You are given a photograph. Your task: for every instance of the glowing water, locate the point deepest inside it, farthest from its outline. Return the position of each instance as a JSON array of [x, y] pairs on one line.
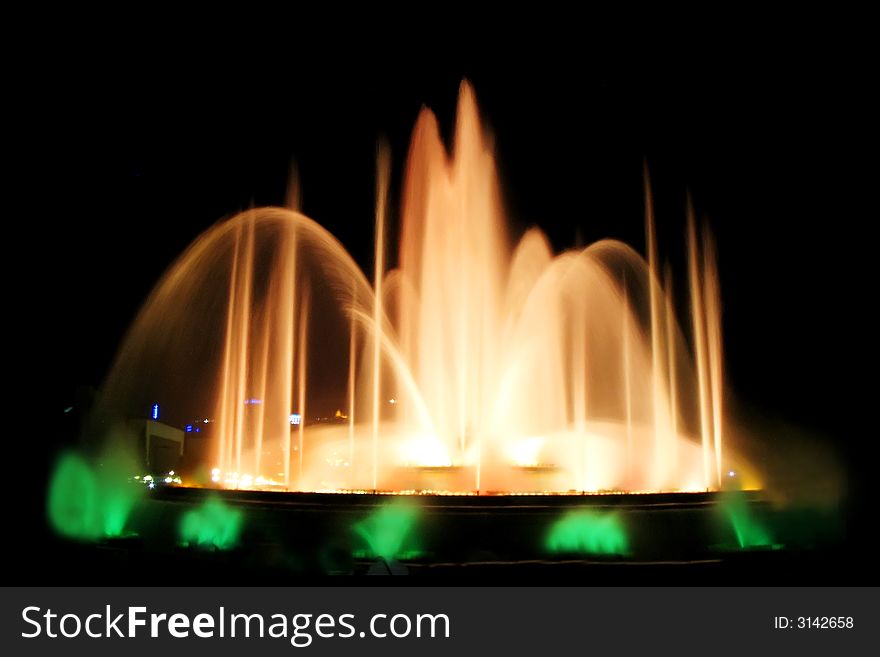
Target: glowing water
[[212, 525], [750, 532], [388, 532], [88, 503], [476, 364], [588, 532]]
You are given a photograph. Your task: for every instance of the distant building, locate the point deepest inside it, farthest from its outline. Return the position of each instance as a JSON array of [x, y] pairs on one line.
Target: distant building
[[160, 444]]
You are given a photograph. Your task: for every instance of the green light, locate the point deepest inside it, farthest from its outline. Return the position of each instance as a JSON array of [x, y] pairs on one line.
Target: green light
[[73, 499], [749, 531], [214, 524], [86, 503], [587, 532], [117, 507], [118, 497], [388, 533]]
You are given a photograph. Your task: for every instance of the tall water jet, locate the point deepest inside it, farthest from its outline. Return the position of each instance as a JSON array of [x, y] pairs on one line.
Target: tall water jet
[[627, 383], [262, 374], [303, 356], [352, 370], [242, 339], [659, 390], [712, 295], [669, 312], [698, 321], [287, 317], [383, 167]]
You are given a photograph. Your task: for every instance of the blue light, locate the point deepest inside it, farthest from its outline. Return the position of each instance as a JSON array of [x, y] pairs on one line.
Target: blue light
[[189, 428], [155, 413], [198, 429], [253, 401], [295, 418]]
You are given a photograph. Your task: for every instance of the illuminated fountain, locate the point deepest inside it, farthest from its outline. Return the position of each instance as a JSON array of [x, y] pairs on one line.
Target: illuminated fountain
[[477, 364]]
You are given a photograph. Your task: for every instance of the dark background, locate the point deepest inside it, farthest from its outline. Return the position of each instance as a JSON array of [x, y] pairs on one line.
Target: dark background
[[135, 144]]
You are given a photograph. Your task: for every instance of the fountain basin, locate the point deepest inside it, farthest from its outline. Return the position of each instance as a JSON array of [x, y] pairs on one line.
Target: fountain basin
[[672, 538]]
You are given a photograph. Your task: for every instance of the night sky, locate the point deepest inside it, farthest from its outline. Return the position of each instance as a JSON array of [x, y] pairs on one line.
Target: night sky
[[137, 150]]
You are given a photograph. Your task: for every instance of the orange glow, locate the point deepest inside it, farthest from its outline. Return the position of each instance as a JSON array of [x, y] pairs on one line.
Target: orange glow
[[478, 363]]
